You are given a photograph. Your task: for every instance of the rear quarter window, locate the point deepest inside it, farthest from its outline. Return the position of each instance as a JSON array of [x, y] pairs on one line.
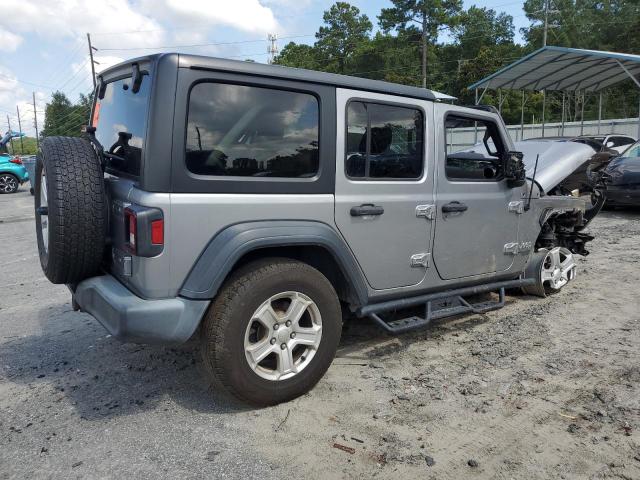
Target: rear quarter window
[[120, 118], [247, 131]]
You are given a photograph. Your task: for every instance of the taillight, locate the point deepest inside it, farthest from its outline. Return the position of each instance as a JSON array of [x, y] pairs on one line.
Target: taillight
[[157, 232], [131, 221], [144, 230], [16, 160]]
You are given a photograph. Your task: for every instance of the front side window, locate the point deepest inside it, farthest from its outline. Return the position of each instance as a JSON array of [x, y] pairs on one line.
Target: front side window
[[384, 141], [236, 130], [474, 149]]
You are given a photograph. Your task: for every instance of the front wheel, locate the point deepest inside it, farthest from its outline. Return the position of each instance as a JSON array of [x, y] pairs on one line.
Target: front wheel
[[272, 331], [552, 270], [8, 183]]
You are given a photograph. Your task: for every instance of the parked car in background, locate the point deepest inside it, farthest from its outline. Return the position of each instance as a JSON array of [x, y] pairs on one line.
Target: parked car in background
[[12, 173], [622, 178], [619, 143]]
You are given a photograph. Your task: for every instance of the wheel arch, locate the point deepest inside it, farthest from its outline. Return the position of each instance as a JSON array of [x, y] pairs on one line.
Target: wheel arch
[[314, 243]]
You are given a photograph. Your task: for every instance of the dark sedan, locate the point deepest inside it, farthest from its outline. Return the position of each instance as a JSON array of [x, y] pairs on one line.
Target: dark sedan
[[622, 177]]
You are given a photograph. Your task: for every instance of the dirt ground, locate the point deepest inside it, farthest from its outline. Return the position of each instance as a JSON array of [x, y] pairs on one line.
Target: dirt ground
[[544, 388]]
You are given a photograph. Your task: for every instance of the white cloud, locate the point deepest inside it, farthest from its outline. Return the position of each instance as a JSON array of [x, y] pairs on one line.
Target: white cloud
[[247, 15], [9, 41], [64, 18]]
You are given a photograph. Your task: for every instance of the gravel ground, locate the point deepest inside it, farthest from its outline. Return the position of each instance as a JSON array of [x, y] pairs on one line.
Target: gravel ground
[[544, 388]]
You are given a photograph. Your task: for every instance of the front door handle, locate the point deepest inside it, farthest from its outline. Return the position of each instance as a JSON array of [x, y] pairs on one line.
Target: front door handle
[[454, 207], [366, 209]]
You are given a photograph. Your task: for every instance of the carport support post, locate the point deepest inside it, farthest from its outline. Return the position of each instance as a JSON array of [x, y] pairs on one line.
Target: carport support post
[[522, 118], [544, 98], [475, 129], [600, 111], [638, 115], [584, 99], [562, 131]]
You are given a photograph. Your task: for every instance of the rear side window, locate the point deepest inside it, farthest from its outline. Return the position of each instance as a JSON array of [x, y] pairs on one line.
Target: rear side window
[[384, 141], [120, 118], [244, 131], [474, 149]]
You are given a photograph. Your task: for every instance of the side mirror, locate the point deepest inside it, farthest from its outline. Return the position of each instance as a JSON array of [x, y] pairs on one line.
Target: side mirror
[[514, 169]]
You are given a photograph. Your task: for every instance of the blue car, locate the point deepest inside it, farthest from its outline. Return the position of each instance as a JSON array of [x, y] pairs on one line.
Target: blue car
[[12, 173]]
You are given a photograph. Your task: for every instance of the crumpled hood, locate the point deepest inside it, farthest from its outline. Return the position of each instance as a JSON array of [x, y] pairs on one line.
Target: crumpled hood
[[557, 160]]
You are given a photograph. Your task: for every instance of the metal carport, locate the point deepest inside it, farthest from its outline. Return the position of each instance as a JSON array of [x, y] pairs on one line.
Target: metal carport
[[564, 69]]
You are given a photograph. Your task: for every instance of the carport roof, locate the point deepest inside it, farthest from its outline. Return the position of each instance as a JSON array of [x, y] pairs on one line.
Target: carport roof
[[561, 68]]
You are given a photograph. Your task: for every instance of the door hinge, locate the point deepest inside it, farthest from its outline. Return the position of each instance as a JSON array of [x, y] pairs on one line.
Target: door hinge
[[516, 206], [420, 260], [515, 248], [426, 211]]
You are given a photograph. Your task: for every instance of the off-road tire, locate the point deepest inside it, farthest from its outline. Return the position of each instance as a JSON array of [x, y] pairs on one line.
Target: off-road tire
[[77, 215], [224, 326], [16, 182]]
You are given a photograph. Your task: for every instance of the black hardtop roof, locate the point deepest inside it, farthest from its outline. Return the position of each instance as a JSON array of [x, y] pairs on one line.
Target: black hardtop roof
[[287, 73]]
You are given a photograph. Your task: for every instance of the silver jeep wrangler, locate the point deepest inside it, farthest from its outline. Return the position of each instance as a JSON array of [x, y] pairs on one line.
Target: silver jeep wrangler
[[261, 206]]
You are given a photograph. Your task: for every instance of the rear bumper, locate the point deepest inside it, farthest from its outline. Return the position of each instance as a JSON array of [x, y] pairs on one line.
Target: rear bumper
[[133, 319]]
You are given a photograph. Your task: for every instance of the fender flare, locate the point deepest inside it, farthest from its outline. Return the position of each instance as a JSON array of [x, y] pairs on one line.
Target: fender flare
[[230, 244]]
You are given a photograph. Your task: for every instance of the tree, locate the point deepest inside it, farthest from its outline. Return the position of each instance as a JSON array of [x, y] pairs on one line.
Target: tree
[[299, 56], [344, 31], [423, 17], [481, 27], [64, 118]]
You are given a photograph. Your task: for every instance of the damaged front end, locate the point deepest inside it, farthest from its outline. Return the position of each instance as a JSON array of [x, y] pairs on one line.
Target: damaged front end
[[563, 229]]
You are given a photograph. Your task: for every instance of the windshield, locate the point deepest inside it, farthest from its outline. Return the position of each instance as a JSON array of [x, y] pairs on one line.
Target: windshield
[[120, 119], [632, 152]]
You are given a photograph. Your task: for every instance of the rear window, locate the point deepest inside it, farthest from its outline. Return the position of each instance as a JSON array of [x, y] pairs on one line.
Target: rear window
[[120, 119], [244, 131]]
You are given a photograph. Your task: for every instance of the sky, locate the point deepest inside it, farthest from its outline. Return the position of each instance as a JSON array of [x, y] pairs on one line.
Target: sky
[[43, 43]]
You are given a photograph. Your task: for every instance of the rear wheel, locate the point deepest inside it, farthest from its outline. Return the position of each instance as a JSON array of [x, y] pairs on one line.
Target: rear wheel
[[272, 331], [8, 183]]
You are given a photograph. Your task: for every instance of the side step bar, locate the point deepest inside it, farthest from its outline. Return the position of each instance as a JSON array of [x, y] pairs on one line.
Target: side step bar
[[439, 305]]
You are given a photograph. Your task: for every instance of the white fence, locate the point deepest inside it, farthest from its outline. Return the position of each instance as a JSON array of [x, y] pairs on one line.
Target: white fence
[[622, 126], [461, 138]]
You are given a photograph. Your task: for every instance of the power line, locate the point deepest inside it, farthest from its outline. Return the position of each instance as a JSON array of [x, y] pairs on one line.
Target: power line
[[212, 44]]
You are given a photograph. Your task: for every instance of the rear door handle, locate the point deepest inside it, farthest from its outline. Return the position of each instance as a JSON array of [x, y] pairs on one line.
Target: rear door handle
[[366, 209], [453, 207]]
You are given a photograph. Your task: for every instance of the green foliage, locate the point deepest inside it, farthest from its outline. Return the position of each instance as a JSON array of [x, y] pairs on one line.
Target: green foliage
[[344, 31], [64, 118], [24, 146], [479, 41]]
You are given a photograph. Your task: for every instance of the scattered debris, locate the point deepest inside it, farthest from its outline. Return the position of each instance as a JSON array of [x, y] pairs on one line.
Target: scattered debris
[[573, 428], [357, 440], [77, 464], [212, 454], [344, 448], [473, 463], [283, 421], [570, 417], [429, 460]]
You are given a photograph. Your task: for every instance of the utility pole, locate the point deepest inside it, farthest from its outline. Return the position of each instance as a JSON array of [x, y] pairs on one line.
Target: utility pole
[[272, 48], [546, 23], [35, 121], [93, 70], [10, 136], [424, 49], [20, 130]]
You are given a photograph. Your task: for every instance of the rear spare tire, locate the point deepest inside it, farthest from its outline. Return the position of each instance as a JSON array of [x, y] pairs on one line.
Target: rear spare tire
[[70, 203]]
